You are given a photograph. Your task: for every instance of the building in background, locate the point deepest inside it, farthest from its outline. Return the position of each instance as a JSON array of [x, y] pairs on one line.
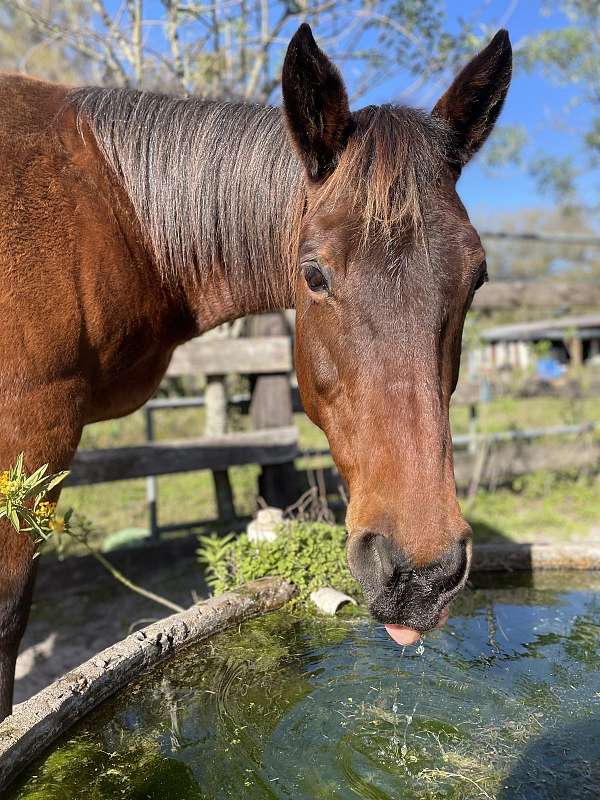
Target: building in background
[[572, 341]]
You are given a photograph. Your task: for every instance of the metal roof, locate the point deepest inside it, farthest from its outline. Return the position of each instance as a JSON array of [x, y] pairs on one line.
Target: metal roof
[[582, 327]]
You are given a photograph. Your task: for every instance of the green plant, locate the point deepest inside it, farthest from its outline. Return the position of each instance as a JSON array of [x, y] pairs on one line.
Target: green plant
[[212, 554], [309, 554], [22, 500], [541, 349]]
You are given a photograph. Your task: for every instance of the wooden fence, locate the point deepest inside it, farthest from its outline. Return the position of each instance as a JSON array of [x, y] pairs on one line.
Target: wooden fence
[[272, 443], [537, 294]]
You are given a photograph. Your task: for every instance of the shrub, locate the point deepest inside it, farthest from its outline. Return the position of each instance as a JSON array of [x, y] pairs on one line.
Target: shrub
[[309, 554]]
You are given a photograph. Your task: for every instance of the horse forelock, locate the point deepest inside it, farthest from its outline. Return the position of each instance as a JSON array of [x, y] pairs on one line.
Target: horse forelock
[[390, 169]]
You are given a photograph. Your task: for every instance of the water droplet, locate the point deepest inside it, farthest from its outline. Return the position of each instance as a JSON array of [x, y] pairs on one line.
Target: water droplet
[[420, 649], [404, 750], [395, 708]]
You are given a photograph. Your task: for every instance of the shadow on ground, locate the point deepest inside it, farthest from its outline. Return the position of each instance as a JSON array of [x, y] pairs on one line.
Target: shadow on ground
[[79, 609], [483, 533]]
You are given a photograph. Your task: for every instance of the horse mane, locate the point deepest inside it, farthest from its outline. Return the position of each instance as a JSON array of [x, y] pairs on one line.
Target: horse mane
[[217, 184]]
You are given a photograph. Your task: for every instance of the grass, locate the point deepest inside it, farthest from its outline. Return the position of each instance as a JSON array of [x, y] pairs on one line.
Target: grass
[[507, 413], [542, 507], [561, 509]]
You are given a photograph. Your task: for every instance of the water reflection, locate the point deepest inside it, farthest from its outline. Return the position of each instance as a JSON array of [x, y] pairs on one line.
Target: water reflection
[[314, 709], [563, 763]]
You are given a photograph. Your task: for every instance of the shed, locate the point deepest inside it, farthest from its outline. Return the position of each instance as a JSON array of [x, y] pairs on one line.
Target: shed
[[573, 341]]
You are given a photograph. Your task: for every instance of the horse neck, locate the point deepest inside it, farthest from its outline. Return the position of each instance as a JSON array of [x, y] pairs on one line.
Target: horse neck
[[216, 301], [217, 190]]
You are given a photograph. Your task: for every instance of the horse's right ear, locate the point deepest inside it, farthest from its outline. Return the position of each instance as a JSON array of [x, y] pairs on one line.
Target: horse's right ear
[[315, 104]]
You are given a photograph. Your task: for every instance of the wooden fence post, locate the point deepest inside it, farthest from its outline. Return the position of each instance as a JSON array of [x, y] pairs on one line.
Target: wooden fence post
[[216, 424], [271, 407], [575, 347], [473, 426]]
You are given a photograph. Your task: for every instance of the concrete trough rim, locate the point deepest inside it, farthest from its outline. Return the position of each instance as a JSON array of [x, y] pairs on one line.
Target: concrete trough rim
[[39, 721], [536, 557]]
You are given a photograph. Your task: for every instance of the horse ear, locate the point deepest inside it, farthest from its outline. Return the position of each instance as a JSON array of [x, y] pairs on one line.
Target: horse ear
[[472, 103], [315, 105]]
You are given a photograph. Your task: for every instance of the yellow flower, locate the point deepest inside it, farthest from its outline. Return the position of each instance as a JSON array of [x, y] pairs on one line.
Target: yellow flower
[[58, 526], [6, 485], [46, 510]]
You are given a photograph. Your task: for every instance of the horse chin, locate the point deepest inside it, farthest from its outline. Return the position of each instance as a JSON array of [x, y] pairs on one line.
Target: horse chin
[[405, 608]]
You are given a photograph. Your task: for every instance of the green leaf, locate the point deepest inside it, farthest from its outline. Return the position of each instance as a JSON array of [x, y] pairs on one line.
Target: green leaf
[[18, 468], [14, 518], [56, 479], [44, 485], [37, 475], [32, 521]]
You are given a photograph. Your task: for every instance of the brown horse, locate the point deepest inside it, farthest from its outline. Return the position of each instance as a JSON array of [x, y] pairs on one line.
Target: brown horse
[[131, 222]]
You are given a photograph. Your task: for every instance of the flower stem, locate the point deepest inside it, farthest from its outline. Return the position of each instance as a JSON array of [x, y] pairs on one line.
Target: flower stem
[[130, 584]]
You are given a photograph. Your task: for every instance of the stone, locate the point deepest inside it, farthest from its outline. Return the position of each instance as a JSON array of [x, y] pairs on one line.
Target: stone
[[264, 527]]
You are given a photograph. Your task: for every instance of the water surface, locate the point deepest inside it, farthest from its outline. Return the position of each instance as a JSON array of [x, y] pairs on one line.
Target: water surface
[[504, 703]]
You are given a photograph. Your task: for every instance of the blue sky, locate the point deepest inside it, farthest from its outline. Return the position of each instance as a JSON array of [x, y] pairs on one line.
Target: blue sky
[[533, 101]]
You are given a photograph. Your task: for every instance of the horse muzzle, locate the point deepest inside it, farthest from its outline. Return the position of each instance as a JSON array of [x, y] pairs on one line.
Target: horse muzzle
[[401, 596]]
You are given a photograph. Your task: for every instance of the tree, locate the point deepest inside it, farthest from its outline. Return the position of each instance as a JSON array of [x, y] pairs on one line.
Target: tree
[[568, 55], [571, 55], [25, 46], [228, 48]]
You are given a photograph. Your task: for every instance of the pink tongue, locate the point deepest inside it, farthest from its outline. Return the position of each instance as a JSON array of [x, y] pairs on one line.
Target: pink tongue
[[402, 635]]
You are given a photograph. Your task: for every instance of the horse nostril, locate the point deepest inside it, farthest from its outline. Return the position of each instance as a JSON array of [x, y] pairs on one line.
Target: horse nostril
[[449, 573], [466, 548], [386, 559], [375, 561]]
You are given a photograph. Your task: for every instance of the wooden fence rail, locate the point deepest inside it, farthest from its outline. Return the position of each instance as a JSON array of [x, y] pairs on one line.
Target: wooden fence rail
[[503, 462], [263, 447], [255, 356]]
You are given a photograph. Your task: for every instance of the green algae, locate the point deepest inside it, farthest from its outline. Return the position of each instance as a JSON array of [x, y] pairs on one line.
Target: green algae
[[504, 703]]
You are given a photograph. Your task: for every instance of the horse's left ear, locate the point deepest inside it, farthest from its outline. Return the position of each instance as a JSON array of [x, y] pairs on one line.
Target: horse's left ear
[[315, 104], [472, 103]]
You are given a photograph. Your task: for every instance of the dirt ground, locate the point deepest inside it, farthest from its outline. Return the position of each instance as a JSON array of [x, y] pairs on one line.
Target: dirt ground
[[79, 609]]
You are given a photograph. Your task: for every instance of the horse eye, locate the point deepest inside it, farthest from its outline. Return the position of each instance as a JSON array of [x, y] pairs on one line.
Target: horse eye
[[317, 282], [482, 278]]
